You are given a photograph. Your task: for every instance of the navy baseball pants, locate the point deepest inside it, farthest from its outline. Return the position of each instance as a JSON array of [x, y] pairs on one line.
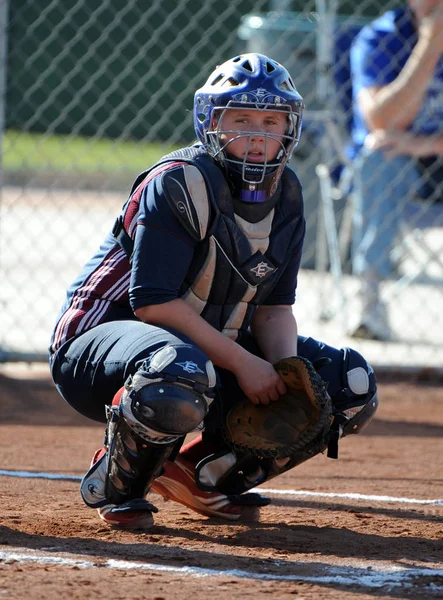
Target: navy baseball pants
[[90, 369]]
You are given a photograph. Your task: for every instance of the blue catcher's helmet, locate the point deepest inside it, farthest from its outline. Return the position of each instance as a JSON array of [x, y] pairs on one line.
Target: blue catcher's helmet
[[251, 82]]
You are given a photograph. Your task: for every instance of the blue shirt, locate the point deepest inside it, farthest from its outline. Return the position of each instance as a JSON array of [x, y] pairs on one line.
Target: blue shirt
[[378, 54]]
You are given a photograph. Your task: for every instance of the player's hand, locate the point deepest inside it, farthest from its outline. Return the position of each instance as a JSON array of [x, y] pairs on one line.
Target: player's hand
[[259, 380], [399, 143]]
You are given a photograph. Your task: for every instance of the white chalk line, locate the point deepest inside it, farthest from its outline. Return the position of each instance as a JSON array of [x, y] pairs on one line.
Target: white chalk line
[[369, 575], [39, 475], [299, 493], [350, 496]]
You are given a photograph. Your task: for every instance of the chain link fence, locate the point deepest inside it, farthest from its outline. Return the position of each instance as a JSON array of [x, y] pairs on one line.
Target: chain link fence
[[92, 93]]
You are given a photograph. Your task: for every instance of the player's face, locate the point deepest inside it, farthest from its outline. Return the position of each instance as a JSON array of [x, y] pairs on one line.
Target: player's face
[[247, 129]]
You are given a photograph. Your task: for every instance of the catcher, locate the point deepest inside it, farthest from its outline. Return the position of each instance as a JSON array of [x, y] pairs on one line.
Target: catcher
[[183, 320]]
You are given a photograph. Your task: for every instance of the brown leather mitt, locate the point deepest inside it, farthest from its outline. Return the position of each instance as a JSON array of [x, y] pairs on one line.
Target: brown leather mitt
[[293, 422]]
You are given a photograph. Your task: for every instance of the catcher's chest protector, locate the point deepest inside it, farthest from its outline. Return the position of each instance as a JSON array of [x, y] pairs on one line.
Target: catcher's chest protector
[[237, 263]]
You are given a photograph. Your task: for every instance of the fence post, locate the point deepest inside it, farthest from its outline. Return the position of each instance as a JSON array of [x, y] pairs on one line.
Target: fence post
[[3, 66], [3, 69]]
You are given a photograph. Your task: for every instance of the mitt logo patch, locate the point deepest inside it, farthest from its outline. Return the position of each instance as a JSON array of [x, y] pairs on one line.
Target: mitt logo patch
[[262, 269], [190, 367]]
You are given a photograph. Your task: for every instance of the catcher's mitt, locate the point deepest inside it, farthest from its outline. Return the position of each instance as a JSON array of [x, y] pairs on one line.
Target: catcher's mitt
[[291, 423]]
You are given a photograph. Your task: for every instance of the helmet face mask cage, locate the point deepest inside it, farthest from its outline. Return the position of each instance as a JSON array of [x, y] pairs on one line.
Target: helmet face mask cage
[[248, 82], [252, 172]]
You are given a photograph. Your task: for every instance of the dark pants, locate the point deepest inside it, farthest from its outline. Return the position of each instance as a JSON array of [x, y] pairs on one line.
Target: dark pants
[[91, 368]]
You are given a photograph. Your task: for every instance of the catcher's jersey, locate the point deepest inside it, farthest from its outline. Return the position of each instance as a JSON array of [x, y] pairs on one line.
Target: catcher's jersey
[[189, 243]]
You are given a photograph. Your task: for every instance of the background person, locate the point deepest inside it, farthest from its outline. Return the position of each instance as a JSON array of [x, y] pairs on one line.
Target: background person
[[397, 72]]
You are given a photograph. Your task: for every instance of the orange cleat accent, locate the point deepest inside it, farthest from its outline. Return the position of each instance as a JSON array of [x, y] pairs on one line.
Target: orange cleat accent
[[178, 484]]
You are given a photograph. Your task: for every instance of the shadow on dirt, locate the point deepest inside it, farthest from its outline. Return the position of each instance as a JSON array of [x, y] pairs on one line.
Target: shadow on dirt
[[153, 549], [403, 428], [35, 401], [427, 513]]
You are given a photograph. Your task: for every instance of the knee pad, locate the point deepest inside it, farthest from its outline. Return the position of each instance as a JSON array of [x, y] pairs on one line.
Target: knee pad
[[164, 400], [356, 385], [355, 403], [170, 394]]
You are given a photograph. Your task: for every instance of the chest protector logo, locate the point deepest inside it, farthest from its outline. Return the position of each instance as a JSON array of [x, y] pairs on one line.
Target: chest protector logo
[[262, 269]]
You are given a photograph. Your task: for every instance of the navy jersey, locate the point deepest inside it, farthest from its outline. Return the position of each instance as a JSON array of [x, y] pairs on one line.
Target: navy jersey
[[110, 288]]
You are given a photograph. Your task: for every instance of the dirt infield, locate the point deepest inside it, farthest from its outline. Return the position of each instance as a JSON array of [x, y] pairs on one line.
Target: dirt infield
[[368, 525]]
